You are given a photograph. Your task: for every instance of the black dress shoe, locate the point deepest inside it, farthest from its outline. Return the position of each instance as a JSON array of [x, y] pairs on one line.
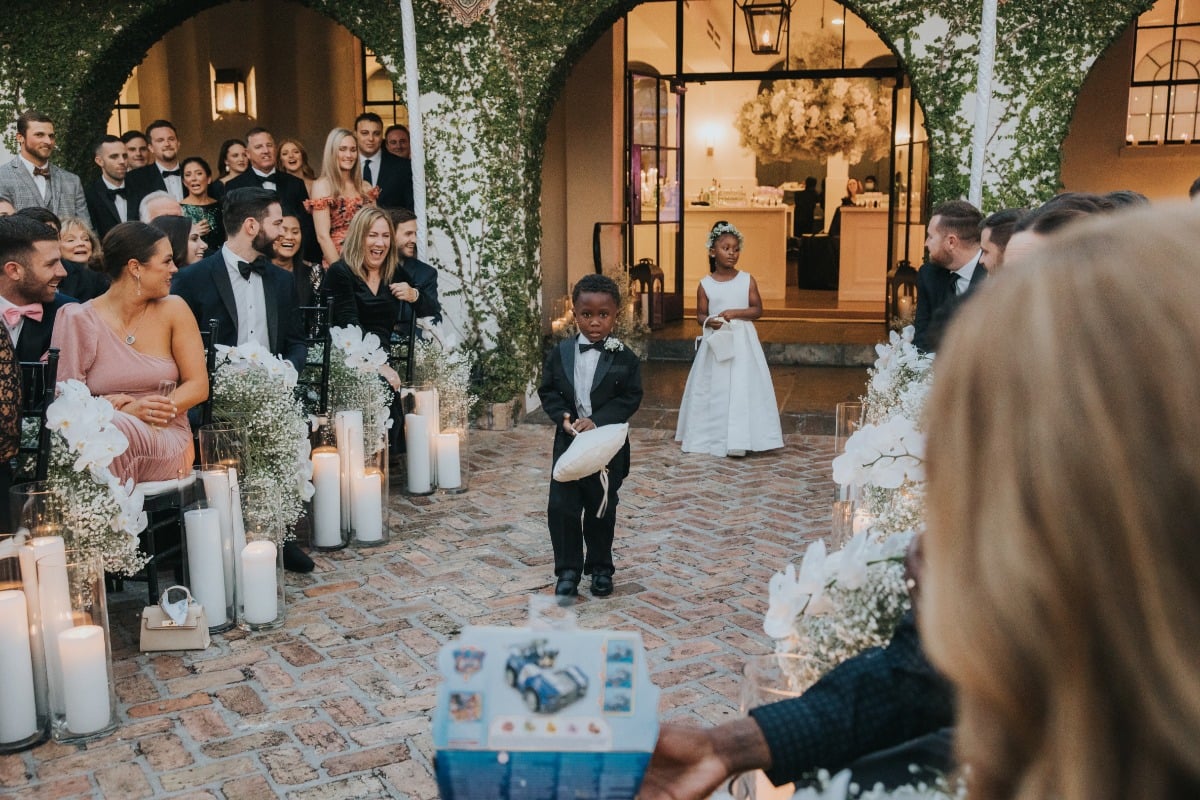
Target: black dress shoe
[[602, 585], [568, 584], [295, 559]]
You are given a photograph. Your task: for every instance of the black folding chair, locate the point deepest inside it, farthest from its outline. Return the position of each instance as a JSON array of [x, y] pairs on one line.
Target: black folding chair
[[313, 382], [404, 337], [38, 382]]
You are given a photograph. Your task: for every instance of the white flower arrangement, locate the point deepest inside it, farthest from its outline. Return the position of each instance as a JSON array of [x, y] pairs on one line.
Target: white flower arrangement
[[449, 369], [256, 389], [613, 345], [355, 382], [841, 785], [101, 515]]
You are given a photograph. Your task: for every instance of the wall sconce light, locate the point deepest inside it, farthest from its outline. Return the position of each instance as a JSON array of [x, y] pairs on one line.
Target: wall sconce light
[[766, 24], [709, 136], [229, 91]]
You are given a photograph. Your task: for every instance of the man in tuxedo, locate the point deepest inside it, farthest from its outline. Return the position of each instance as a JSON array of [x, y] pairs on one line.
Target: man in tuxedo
[[397, 141], [107, 196], [292, 194], [952, 271], [137, 147], [163, 173], [393, 175], [251, 299], [417, 274], [29, 179], [30, 272]]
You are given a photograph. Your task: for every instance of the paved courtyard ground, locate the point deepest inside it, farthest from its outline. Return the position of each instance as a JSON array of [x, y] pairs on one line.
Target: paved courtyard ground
[[336, 704]]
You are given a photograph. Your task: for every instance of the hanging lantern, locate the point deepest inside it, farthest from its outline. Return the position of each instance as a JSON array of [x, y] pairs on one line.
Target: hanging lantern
[[766, 24]]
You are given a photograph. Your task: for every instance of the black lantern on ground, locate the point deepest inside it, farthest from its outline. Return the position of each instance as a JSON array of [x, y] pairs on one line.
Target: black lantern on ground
[[229, 88], [767, 24], [648, 278]]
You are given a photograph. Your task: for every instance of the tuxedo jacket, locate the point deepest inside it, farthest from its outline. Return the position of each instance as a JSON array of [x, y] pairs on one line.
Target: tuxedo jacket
[[140, 182], [34, 340], [103, 209], [208, 291], [937, 303], [292, 194], [424, 278], [616, 393], [395, 182], [64, 192], [82, 282]]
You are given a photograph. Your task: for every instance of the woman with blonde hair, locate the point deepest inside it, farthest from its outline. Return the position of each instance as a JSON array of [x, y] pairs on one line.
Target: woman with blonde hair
[[82, 258], [338, 194], [1060, 592]]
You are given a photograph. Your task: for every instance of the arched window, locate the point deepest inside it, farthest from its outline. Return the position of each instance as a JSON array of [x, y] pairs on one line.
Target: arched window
[[1164, 90]]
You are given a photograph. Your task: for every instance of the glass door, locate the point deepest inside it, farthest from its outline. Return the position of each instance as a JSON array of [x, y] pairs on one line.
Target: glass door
[[907, 210]]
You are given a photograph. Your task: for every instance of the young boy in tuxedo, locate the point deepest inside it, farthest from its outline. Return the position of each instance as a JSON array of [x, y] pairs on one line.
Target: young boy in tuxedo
[[588, 381]]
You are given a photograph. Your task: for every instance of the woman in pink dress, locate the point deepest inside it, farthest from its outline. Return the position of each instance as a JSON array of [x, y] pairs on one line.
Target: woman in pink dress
[[338, 194], [125, 343]]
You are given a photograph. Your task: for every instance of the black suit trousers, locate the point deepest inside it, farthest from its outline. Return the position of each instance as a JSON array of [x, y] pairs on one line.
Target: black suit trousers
[[582, 541]]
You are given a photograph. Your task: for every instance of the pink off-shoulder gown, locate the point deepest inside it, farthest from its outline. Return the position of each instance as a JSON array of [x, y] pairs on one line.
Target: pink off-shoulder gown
[[91, 352]]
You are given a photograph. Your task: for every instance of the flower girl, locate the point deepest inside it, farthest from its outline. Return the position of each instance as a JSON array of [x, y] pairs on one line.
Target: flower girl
[[728, 405]]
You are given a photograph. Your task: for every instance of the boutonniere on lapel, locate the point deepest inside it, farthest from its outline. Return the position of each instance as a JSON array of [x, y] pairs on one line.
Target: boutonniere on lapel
[[613, 345]]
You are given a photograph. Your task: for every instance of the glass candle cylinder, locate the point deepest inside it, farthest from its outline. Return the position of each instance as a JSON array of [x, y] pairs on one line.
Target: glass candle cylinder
[[222, 444], [348, 427], [427, 404], [36, 509], [451, 444], [24, 702], [371, 496], [78, 650], [260, 593], [208, 535]]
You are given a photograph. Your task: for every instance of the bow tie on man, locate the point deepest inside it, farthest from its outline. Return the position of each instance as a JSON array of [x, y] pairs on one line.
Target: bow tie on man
[[172, 173], [583, 348], [13, 314], [42, 172], [258, 265], [115, 193]]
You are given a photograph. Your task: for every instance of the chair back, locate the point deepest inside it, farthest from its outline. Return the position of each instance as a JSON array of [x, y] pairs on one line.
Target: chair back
[[404, 335], [312, 385], [38, 383], [209, 337]]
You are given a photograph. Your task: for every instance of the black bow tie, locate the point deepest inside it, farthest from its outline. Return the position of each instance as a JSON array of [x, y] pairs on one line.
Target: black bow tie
[[583, 348], [272, 178], [172, 173], [118, 192], [258, 265]]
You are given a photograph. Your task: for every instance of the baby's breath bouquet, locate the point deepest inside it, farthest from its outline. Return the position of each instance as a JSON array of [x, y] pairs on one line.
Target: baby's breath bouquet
[[256, 389], [101, 515], [448, 368], [354, 382]]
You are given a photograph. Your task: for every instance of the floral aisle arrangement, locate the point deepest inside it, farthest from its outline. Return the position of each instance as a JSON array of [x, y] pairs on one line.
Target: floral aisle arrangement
[[355, 383], [442, 364], [257, 390], [838, 604], [815, 119], [101, 515]]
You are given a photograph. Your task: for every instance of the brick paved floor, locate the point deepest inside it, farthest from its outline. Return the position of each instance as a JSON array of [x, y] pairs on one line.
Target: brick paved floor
[[336, 703]]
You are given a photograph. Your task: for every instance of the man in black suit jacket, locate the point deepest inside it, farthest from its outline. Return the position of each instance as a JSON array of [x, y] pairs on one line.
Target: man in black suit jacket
[[952, 272], [290, 190], [163, 174], [108, 197], [251, 298], [30, 272], [392, 174], [415, 273]]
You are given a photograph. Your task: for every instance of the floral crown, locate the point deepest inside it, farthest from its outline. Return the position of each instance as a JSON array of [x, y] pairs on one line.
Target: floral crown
[[719, 230]]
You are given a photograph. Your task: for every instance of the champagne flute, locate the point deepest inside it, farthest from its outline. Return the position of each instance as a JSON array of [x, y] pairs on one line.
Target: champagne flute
[[166, 388]]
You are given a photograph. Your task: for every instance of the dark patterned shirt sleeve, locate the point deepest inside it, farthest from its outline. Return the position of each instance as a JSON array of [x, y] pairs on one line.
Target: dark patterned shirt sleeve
[[880, 698], [10, 399]]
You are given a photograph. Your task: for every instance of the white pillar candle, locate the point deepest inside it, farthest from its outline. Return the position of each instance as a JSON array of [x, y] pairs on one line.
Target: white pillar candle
[[352, 455], [326, 500], [368, 506], [238, 540], [416, 438], [205, 563], [85, 679], [217, 492], [904, 307], [448, 460], [28, 556], [343, 449], [645, 309], [18, 711], [428, 407], [260, 602], [54, 602]]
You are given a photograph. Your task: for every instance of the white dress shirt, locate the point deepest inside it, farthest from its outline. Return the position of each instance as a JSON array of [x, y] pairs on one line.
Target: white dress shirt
[[43, 183], [268, 184], [965, 273], [250, 300], [585, 373], [118, 201], [174, 183]]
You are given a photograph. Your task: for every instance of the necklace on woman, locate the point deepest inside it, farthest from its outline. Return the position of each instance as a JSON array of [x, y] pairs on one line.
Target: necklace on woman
[[130, 334]]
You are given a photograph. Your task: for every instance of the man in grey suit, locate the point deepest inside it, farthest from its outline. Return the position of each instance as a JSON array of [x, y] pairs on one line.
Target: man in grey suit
[[29, 179]]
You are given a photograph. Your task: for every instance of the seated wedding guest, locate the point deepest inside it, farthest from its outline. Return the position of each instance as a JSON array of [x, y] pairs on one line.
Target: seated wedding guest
[[199, 206], [1049, 217], [363, 282], [158, 204], [30, 271], [286, 254], [42, 215], [232, 160], [137, 148], [1075, 660], [187, 245], [82, 259], [126, 343], [107, 196], [414, 272], [6, 208], [10, 418], [291, 191], [994, 233], [339, 193], [294, 160], [396, 141], [952, 272]]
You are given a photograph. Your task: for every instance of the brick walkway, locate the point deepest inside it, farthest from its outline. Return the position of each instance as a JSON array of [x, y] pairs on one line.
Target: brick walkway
[[336, 704]]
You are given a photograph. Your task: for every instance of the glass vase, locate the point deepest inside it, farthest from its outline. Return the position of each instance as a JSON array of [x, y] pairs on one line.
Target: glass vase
[[452, 446], [348, 428], [24, 700], [36, 509], [261, 598], [209, 545], [421, 427], [326, 532], [848, 418], [369, 496], [78, 648]]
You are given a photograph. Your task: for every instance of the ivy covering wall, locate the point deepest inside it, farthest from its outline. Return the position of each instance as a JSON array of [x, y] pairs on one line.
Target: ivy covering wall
[[488, 88]]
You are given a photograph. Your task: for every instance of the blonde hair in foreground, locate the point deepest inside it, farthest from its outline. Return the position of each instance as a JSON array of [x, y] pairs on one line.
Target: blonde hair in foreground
[[1061, 593], [354, 249]]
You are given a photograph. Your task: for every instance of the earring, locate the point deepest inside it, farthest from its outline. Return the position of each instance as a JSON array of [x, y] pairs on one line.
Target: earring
[[138, 278]]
